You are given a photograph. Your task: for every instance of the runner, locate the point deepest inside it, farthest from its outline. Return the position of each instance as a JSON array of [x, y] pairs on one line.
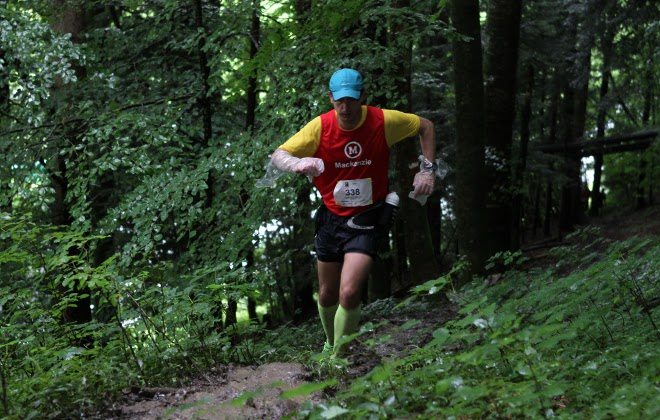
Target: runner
[[347, 152]]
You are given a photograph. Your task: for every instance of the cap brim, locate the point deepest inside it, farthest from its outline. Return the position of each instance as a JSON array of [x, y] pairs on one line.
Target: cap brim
[[345, 93]]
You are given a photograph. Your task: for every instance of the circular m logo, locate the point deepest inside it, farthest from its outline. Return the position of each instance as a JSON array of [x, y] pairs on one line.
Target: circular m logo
[[352, 150]]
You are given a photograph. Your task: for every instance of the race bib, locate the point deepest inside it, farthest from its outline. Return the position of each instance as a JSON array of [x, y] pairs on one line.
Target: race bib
[[353, 192]]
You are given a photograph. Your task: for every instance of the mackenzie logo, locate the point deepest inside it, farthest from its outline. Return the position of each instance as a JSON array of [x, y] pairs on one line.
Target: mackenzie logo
[[353, 150]]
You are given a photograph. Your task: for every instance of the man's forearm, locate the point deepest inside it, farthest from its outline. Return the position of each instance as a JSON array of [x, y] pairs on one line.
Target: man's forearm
[[427, 138], [285, 161]]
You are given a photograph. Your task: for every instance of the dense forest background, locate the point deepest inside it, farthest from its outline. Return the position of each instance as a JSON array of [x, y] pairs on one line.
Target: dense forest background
[[133, 134]]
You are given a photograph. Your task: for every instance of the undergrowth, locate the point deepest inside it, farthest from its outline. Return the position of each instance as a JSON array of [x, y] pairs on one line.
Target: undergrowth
[[142, 333], [576, 339]]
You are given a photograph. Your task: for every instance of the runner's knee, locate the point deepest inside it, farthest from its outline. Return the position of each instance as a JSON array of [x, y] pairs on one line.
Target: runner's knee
[[349, 296]]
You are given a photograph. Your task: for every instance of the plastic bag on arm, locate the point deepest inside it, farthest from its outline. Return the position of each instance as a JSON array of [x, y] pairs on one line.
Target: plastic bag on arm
[[270, 177], [281, 162]]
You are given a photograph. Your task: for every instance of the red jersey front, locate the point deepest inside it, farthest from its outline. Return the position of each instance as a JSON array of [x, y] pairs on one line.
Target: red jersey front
[[356, 163]]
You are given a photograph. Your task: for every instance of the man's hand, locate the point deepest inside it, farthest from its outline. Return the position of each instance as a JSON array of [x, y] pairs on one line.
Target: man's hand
[[423, 183], [310, 166], [284, 161]]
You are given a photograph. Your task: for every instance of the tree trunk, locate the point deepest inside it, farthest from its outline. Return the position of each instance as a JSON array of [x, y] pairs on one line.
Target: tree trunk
[[521, 163], [553, 112], [469, 93], [5, 190], [250, 116], [303, 276], [644, 167], [416, 233], [606, 47], [570, 191], [251, 93], [434, 216], [500, 63], [71, 19], [302, 263], [4, 84], [230, 315], [383, 272], [203, 99], [576, 90]]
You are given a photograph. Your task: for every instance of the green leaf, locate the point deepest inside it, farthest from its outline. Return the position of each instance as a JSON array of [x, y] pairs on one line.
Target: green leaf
[[333, 411], [410, 324]]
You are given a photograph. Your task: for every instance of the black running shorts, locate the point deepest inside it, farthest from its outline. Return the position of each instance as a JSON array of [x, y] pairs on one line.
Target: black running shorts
[[334, 237]]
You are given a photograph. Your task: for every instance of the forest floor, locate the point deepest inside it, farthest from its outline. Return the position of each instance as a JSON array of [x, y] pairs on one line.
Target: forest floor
[[256, 391]]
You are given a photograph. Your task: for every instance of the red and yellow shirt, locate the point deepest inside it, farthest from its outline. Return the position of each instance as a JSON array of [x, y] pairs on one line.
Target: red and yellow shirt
[[356, 161]]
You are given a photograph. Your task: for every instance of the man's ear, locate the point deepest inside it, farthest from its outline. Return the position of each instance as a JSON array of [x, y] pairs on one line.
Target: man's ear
[[363, 96], [331, 98]]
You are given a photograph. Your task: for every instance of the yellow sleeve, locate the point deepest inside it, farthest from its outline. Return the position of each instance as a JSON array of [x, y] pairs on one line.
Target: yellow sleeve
[[399, 125], [305, 142]]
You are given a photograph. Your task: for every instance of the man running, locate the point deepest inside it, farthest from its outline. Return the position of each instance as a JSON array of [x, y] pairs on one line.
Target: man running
[[347, 152]]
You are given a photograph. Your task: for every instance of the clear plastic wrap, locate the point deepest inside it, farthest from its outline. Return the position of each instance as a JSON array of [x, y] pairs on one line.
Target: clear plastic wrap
[[281, 162], [271, 175]]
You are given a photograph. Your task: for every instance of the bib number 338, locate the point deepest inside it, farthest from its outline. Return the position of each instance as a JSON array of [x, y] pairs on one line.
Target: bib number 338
[[353, 192]]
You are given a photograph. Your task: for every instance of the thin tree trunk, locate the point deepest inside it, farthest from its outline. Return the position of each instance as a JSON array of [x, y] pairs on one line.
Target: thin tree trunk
[[250, 116], [641, 199], [415, 223], [4, 84], [5, 191], [434, 216], [469, 94], [646, 116], [536, 224], [553, 112], [649, 105], [521, 162], [596, 197]]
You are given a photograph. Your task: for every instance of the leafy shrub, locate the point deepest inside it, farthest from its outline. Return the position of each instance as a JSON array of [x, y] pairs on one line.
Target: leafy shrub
[[142, 331]]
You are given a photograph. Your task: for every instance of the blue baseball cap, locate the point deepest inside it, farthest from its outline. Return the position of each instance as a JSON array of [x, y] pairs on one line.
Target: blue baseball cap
[[346, 83]]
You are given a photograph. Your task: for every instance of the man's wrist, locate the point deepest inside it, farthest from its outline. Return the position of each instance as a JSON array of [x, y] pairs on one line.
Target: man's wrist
[[428, 166]]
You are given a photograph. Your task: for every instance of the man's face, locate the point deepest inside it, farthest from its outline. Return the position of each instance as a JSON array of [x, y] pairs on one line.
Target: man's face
[[349, 111]]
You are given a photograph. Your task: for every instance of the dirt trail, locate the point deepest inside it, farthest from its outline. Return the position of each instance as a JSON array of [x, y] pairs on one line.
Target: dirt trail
[[246, 392], [255, 392]]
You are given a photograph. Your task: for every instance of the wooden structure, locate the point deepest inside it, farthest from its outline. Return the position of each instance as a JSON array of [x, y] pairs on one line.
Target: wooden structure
[[627, 142]]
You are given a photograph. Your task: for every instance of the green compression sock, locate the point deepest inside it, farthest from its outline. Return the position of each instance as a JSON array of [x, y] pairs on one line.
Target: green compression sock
[[327, 314], [346, 322]]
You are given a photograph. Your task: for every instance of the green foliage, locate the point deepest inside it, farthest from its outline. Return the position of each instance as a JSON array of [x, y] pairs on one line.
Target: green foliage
[[164, 221], [631, 177], [506, 259], [536, 344], [142, 332]]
